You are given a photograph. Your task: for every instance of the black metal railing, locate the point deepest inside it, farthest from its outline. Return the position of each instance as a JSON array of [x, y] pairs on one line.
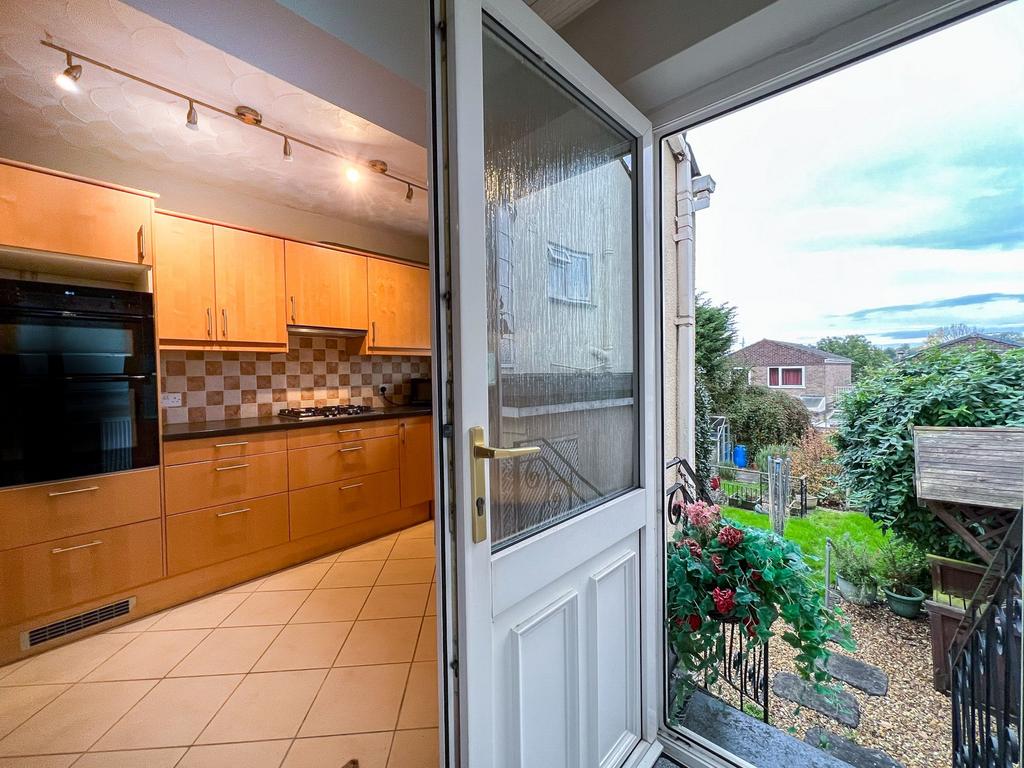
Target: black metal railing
[[985, 664]]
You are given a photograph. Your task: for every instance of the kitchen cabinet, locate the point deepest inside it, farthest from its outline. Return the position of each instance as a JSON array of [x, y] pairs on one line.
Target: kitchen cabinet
[[323, 507], [330, 463], [416, 460], [226, 481], [399, 307], [326, 287], [59, 213], [185, 279], [250, 287]]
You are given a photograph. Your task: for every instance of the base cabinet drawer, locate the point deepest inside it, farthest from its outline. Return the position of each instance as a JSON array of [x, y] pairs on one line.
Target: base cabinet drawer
[[330, 463], [37, 513], [323, 507], [341, 433], [212, 483], [62, 573], [230, 447], [208, 536]]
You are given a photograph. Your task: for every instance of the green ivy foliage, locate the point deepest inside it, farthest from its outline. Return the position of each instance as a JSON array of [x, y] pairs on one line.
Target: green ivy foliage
[[703, 433], [939, 388]]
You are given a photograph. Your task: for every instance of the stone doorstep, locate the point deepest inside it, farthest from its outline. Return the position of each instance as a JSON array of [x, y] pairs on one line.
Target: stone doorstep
[[862, 676], [848, 751], [844, 708]]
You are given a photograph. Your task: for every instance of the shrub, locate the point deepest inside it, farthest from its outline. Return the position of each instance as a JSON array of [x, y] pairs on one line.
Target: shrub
[[854, 561], [761, 416], [955, 388], [768, 452], [816, 458], [901, 565], [703, 432]]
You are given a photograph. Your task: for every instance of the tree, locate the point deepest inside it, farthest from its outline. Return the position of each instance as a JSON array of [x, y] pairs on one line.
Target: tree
[[703, 433], [950, 332], [762, 416], [865, 355], [875, 439], [714, 335]]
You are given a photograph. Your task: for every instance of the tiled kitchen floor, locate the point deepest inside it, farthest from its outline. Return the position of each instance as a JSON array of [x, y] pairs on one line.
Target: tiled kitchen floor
[[308, 668]]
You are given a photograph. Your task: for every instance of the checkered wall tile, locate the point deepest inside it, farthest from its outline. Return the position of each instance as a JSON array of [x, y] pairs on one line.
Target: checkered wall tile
[[315, 371]]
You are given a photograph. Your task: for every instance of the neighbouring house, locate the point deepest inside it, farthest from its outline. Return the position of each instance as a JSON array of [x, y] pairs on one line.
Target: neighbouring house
[[812, 375], [975, 340]]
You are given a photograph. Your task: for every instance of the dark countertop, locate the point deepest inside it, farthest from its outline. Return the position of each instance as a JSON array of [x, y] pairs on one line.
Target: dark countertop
[[268, 423]]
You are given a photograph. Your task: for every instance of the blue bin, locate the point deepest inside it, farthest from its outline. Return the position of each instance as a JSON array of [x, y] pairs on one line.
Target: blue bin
[[739, 456]]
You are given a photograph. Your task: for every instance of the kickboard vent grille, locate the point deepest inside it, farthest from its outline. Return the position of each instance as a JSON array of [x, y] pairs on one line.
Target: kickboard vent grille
[[39, 635]]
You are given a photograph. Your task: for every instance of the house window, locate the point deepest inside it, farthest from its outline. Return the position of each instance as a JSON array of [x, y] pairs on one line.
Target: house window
[[569, 275], [785, 377]]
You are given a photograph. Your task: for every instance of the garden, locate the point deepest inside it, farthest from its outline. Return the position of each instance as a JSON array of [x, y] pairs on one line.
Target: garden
[[847, 666]]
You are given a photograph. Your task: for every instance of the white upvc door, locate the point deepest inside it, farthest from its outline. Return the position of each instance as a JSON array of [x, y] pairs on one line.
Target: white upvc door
[[546, 361]]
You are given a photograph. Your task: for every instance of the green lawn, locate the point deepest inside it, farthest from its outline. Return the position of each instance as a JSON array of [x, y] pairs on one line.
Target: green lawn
[[809, 532]]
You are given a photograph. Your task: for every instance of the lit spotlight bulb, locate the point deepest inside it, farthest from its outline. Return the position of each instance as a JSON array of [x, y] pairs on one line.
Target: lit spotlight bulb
[[68, 79], [352, 174]]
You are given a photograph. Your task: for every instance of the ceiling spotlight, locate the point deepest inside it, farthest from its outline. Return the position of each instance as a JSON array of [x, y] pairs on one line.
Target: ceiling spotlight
[[408, 193], [287, 150], [352, 174], [192, 119], [68, 79]]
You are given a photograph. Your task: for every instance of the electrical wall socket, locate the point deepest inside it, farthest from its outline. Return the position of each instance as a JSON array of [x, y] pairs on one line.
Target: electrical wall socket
[[170, 399]]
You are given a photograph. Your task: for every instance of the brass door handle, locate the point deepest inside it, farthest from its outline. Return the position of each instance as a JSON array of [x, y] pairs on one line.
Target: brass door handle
[[481, 452]]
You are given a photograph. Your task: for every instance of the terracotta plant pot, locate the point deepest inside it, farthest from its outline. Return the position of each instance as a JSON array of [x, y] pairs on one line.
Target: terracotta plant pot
[[907, 606], [858, 594]]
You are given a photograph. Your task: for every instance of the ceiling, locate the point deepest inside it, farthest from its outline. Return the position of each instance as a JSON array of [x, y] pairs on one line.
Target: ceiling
[[134, 123]]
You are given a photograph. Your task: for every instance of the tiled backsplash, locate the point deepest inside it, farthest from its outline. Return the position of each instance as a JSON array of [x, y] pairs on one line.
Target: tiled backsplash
[[315, 371]]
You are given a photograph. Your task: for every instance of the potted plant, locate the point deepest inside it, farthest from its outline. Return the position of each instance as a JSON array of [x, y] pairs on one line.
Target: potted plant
[[902, 566], [855, 571], [720, 572]]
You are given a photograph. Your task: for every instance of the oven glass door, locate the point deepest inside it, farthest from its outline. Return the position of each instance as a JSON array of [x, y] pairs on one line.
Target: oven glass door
[[79, 392]]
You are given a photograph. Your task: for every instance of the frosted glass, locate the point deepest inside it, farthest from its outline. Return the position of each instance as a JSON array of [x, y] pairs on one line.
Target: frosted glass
[[560, 295]]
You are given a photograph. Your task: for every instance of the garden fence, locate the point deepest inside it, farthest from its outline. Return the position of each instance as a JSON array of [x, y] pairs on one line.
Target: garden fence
[[749, 489]]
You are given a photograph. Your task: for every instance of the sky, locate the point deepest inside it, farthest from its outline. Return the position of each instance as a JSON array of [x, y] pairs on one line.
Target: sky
[[886, 199]]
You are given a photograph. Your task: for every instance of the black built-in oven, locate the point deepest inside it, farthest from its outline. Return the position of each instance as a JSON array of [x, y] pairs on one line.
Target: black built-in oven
[[78, 383]]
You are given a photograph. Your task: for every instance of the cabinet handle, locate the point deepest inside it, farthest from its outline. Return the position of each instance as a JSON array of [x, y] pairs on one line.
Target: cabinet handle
[[293, 309], [231, 445], [234, 466], [142, 243], [234, 512], [76, 490], [348, 431], [401, 429], [58, 550], [348, 450], [349, 487], [224, 316], [209, 322], [373, 333]]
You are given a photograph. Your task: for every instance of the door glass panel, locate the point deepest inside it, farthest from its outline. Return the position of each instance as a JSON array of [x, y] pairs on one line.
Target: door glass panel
[[561, 297]]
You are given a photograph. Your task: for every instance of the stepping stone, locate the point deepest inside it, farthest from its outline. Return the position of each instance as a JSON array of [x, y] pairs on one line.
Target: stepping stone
[[841, 706], [848, 752], [865, 677]]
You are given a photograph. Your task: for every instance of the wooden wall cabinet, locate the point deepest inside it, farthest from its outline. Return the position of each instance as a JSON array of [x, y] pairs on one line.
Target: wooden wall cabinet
[[53, 212], [399, 307], [416, 460], [326, 288], [250, 287], [185, 279]]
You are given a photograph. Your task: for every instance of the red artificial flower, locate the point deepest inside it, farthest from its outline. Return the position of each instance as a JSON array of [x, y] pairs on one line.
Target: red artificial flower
[[725, 600], [693, 546], [679, 622], [715, 483], [755, 575], [694, 621], [716, 564], [730, 537]]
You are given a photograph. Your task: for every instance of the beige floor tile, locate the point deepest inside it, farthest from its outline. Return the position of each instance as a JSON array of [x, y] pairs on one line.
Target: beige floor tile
[[426, 646], [332, 605], [357, 573], [75, 719], [329, 558], [226, 651], [270, 705], [418, 570], [304, 646], [259, 754], [173, 714], [69, 663], [305, 576], [266, 608], [357, 700], [414, 749], [141, 625], [407, 548], [421, 531], [431, 609], [9, 668], [150, 655], [395, 602], [39, 761], [206, 613], [248, 586], [378, 549], [135, 758], [419, 708], [382, 641], [370, 749], [19, 704]]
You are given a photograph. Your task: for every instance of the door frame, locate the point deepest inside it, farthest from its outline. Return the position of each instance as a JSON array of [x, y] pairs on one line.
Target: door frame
[[456, 28]]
